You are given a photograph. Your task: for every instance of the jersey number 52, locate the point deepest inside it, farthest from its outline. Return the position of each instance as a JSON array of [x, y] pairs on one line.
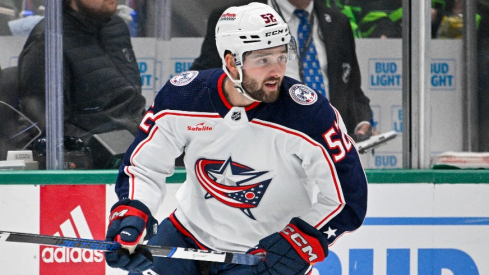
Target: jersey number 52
[[337, 139]]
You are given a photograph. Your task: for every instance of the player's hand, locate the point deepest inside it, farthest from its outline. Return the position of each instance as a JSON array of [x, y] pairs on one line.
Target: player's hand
[[292, 250], [130, 222], [363, 132]]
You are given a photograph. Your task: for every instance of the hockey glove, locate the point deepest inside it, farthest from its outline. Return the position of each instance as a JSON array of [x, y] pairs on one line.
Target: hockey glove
[[292, 250], [130, 222]]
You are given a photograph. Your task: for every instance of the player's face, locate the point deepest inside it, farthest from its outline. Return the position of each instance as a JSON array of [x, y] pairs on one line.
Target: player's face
[[263, 72], [97, 9]]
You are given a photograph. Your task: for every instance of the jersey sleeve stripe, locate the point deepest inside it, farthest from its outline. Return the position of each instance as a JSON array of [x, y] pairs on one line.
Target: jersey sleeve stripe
[[330, 216], [132, 179], [183, 113]]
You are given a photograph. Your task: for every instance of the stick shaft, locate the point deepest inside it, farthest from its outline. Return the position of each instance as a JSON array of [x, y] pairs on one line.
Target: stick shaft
[[106, 246]]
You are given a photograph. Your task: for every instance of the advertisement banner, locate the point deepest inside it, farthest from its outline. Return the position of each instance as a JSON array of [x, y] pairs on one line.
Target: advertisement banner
[[409, 229], [72, 211]]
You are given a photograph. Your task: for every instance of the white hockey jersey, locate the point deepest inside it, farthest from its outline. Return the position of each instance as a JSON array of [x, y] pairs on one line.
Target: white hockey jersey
[[249, 170]]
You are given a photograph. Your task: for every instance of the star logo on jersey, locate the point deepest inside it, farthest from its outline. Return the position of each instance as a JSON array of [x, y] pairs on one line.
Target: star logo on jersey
[[232, 183], [330, 232]]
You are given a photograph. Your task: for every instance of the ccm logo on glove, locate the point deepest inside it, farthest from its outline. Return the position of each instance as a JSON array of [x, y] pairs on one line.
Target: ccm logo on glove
[[306, 246], [123, 211], [118, 214]]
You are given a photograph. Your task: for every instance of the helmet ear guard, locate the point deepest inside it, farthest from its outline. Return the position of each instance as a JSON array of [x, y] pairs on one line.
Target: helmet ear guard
[[251, 27]]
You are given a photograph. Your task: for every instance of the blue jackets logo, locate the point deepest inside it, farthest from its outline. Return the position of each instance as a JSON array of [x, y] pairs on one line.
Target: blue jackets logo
[[234, 184]]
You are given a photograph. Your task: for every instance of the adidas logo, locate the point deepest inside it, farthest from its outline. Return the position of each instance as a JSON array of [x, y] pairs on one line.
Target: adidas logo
[[73, 255], [199, 127]]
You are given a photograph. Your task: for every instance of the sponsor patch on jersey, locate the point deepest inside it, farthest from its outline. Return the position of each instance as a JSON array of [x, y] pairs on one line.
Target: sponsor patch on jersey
[[199, 127], [184, 78], [302, 94]]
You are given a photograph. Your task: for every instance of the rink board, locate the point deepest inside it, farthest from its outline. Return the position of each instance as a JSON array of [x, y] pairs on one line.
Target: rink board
[[432, 223]]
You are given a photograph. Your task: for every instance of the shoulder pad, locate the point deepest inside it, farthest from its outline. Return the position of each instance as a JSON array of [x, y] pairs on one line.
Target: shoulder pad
[[184, 78]]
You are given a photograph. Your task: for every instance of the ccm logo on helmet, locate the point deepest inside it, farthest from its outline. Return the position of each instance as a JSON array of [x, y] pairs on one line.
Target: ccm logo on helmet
[[275, 32], [301, 242]]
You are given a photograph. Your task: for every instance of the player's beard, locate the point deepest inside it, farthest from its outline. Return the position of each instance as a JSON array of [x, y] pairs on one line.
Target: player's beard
[[102, 14], [255, 89]]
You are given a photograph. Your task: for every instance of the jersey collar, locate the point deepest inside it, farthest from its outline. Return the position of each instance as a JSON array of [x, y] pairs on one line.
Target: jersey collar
[[228, 105]]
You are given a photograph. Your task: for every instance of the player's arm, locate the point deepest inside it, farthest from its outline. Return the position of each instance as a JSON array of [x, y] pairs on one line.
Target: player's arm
[[140, 186], [332, 162], [150, 159], [334, 165]]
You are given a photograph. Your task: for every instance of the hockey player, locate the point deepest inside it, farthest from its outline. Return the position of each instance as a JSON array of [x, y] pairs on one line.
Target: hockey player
[[265, 156]]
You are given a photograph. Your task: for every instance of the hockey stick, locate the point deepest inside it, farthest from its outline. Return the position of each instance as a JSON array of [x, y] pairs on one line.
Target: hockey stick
[[158, 251], [375, 141]]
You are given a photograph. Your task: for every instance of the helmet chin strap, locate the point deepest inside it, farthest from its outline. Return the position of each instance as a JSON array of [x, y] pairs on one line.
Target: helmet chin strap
[[242, 91], [237, 83]]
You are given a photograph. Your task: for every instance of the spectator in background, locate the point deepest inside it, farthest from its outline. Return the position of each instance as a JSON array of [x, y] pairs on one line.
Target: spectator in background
[[16, 131], [334, 41], [446, 19], [102, 84], [18, 17], [483, 69], [383, 18], [8, 11], [372, 18]]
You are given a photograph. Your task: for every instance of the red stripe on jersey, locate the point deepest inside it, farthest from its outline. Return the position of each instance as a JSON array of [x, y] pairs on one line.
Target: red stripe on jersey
[[221, 92], [164, 113], [136, 151], [252, 106], [131, 180], [335, 179], [184, 231]]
